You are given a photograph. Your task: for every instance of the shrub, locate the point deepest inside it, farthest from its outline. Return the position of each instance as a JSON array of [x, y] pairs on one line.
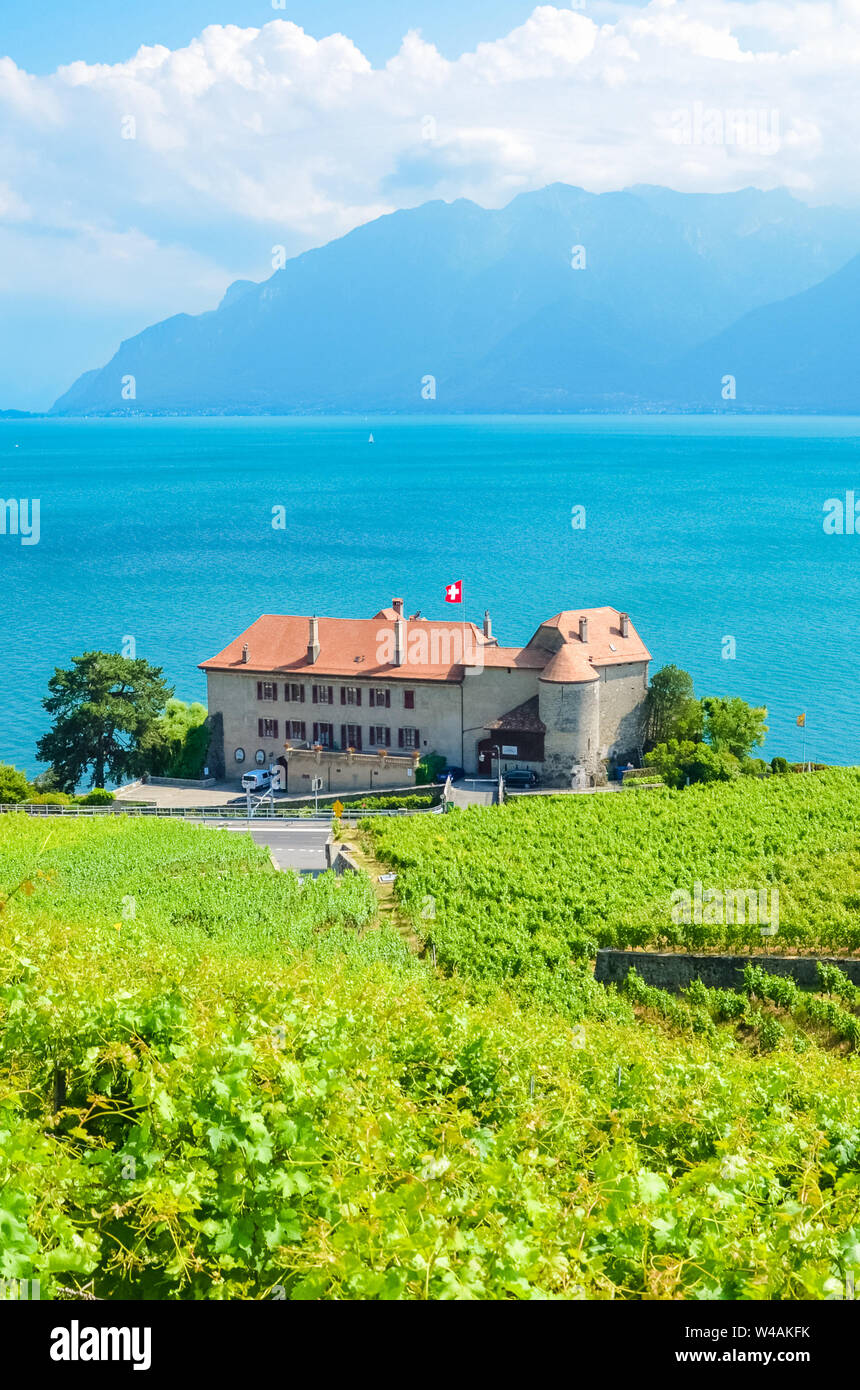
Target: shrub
[[97, 797], [779, 766], [14, 787], [428, 767]]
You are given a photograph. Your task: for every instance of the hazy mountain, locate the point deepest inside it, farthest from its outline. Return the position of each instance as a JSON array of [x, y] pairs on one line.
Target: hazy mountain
[[800, 354], [487, 302]]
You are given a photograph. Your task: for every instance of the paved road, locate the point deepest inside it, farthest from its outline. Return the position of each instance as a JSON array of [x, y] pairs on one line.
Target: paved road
[[299, 847], [469, 793]]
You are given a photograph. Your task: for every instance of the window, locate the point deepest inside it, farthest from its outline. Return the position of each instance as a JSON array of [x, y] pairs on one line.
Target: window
[[295, 694], [382, 698], [239, 755], [409, 699], [350, 695], [298, 730], [267, 690], [324, 734], [267, 728], [408, 738], [350, 736], [322, 695], [379, 736], [260, 757]]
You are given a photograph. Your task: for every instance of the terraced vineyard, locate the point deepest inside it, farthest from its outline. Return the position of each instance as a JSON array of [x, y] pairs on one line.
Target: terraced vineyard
[[520, 894], [216, 1084]]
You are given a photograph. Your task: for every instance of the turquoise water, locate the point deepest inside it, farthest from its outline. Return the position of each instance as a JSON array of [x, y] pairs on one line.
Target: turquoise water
[[702, 527]]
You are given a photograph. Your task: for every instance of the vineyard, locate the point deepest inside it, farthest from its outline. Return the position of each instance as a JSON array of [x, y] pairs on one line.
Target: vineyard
[[519, 895], [216, 1083]]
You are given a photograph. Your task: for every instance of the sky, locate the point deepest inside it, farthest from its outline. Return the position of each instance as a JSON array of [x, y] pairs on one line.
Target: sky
[[150, 154]]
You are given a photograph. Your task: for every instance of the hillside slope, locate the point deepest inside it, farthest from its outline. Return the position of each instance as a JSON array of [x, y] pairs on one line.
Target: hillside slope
[[488, 303]]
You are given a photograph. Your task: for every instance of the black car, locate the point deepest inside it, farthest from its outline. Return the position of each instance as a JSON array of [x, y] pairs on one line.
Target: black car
[[521, 777], [455, 773]]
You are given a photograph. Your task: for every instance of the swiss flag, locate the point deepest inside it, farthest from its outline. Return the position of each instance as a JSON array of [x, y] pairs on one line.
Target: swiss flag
[[454, 592]]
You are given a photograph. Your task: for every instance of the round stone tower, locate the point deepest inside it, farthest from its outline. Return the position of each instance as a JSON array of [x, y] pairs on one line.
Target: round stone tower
[[569, 706]]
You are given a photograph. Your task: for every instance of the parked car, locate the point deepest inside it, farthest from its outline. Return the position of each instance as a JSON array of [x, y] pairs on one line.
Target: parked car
[[455, 773], [258, 781], [520, 777]]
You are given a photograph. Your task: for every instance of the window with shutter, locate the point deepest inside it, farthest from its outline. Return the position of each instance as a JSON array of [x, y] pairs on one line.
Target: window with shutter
[[409, 699]]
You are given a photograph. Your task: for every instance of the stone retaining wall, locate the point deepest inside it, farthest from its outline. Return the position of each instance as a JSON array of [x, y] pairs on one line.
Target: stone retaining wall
[[675, 970]]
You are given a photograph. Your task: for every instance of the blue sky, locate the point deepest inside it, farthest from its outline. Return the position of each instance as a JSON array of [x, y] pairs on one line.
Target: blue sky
[[40, 38], [153, 152]]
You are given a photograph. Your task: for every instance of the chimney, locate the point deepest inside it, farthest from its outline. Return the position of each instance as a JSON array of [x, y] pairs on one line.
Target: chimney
[[625, 624], [399, 639], [245, 652], [488, 626], [397, 605], [583, 629], [313, 640]]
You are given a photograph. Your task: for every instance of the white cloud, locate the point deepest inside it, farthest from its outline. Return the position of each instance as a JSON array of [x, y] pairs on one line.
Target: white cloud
[[250, 137]]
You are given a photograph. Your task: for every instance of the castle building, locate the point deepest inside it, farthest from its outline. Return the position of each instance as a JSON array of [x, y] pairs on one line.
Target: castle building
[[358, 701]]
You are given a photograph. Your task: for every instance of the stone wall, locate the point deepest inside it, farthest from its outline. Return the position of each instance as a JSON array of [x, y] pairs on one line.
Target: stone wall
[[673, 971], [622, 709]]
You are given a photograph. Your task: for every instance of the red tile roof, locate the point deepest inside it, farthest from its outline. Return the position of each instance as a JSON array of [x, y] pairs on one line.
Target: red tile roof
[[437, 651], [569, 667], [351, 647], [605, 645]]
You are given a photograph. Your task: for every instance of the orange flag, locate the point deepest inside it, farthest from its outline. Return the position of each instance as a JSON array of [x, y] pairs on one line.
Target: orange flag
[[801, 720]]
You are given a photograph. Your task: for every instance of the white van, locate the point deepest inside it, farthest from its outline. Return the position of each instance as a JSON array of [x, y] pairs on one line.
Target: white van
[[257, 781]]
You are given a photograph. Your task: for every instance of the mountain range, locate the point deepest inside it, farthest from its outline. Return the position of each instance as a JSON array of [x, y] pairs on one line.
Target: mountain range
[[641, 300]]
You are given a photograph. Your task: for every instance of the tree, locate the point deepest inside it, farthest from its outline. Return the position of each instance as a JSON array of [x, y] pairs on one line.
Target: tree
[[14, 787], [671, 706], [682, 761], [184, 736], [733, 726], [106, 710]]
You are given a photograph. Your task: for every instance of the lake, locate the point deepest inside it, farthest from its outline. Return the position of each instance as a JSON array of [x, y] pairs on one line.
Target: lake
[[704, 528]]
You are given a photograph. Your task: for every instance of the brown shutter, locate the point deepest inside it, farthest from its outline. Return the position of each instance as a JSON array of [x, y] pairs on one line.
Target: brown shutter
[[303, 734], [275, 734], [331, 695], [343, 694], [388, 699], [400, 736], [286, 693], [417, 736], [372, 697], [343, 736], [315, 695], [260, 733], [358, 694], [259, 690], [302, 693]]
